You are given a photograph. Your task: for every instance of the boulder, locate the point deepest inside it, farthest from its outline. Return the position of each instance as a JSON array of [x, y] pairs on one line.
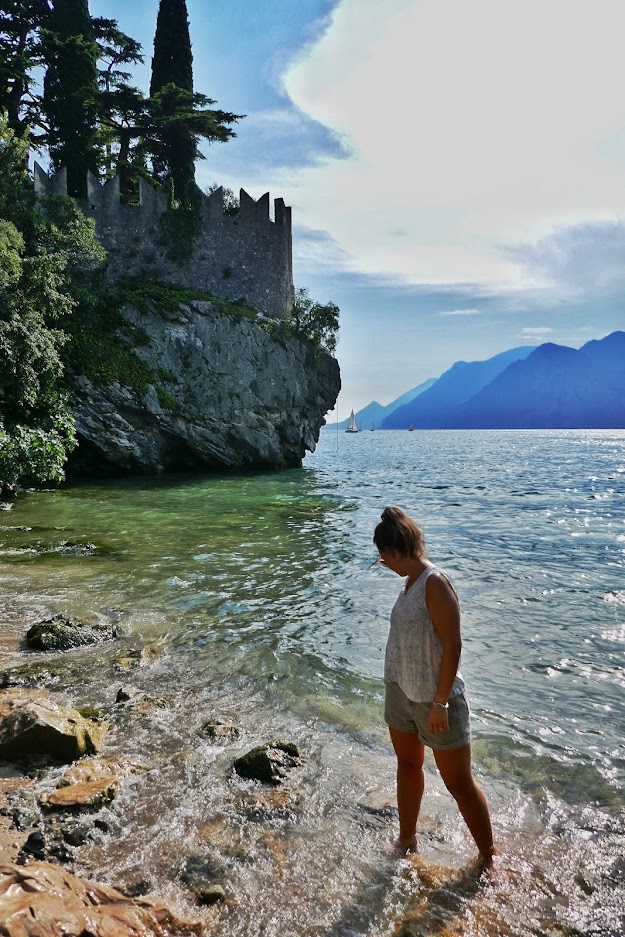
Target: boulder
[[43, 900], [61, 633], [37, 724], [268, 763]]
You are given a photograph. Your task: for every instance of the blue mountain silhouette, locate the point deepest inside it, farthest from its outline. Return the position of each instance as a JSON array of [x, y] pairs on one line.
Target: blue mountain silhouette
[[463, 380]]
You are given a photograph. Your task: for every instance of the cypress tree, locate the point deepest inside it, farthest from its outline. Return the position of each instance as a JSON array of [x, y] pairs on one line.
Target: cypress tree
[[71, 92], [173, 60], [172, 64]]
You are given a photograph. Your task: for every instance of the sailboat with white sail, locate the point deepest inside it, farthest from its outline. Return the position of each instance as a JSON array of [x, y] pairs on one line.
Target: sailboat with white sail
[[351, 424]]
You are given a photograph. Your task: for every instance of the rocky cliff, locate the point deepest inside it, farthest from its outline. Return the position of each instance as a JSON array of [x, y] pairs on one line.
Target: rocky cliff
[[229, 391]]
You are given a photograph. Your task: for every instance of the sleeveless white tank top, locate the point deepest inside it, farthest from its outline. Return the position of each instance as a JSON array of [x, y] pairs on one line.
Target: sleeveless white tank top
[[414, 649]]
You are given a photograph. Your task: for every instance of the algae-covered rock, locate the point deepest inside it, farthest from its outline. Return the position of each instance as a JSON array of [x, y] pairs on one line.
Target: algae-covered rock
[[268, 763], [37, 724], [61, 633], [43, 900]]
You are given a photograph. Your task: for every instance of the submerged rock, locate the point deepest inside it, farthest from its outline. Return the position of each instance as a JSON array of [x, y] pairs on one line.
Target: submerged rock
[[268, 763], [42, 900], [60, 634], [201, 875], [36, 724], [219, 731]]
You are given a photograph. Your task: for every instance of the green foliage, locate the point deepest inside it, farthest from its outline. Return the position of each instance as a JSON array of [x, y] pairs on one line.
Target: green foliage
[[172, 71], [36, 454], [166, 400], [67, 231], [17, 196], [41, 268], [315, 321], [100, 343], [173, 60], [232, 205], [179, 228], [71, 92], [21, 25]]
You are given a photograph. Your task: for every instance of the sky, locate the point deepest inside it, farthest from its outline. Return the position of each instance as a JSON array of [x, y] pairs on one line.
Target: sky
[[456, 170]]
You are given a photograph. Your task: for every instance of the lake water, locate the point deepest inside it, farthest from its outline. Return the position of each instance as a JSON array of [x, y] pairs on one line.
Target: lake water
[[269, 612]]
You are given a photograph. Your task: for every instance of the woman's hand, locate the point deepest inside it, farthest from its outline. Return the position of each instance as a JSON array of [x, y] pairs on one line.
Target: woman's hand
[[438, 720]]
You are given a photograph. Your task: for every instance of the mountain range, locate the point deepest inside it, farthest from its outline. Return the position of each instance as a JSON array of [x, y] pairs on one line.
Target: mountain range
[[374, 412], [547, 386]]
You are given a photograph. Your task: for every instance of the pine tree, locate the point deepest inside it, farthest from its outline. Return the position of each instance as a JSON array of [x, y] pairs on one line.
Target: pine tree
[[172, 64], [71, 92]]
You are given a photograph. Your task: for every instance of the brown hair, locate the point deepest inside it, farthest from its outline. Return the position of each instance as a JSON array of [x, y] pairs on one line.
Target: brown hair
[[397, 531]]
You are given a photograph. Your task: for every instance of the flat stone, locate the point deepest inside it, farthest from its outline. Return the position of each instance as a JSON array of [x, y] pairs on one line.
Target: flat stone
[[89, 783]]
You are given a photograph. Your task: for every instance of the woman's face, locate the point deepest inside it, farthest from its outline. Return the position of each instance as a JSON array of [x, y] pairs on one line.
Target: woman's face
[[393, 560]]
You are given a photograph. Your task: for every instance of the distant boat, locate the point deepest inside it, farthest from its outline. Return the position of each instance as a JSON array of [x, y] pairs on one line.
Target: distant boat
[[351, 424], [410, 428]]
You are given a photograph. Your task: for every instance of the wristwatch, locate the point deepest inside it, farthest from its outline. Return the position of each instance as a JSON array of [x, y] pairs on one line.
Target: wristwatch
[[442, 706]]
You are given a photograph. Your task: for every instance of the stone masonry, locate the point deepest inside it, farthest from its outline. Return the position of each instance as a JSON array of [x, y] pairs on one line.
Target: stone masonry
[[245, 258]]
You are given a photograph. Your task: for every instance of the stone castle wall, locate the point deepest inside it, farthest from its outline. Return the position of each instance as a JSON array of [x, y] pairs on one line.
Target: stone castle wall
[[247, 257]]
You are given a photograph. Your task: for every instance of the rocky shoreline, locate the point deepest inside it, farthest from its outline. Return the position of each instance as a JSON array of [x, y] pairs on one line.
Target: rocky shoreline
[[56, 786]]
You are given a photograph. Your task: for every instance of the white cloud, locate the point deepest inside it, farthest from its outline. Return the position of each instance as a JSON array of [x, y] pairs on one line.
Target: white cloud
[[460, 312], [527, 333], [472, 125]]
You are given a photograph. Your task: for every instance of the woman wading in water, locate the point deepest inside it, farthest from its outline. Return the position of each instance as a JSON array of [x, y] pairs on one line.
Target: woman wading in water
[[425, 702]]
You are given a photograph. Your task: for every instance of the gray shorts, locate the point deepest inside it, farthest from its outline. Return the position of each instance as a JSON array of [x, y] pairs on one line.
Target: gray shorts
[[407, 716]]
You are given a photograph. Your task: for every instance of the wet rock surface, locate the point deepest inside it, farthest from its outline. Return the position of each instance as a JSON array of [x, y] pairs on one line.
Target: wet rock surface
[[203, 875], [89, 784], [41, 899], [268, 763], [219, 731], [61, 634], [38, 724]]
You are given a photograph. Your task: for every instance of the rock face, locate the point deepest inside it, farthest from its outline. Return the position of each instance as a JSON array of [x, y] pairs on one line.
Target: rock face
[[61, 634], [232, 395], [42, 900], [36, 724]]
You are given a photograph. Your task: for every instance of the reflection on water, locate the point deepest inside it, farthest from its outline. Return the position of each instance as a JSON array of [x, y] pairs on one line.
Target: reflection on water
[[272, 617]]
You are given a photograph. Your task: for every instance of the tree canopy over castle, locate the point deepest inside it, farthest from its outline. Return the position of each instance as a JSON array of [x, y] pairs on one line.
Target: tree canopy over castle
[[87, 115]]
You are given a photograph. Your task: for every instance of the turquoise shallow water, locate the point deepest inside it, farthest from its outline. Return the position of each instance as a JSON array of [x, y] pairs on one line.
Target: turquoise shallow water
[[271, 611]]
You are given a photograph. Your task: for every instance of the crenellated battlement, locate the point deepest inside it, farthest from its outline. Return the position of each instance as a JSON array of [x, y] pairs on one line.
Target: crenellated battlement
[[244, 257]]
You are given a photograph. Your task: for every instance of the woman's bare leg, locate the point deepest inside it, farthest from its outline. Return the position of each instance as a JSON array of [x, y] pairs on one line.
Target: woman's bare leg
[[455, 769], [410, 783]]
